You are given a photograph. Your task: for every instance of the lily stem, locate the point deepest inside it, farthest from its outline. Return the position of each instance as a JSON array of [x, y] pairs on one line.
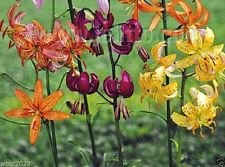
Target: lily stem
[[117, 124], [168, 106], [88, 115]]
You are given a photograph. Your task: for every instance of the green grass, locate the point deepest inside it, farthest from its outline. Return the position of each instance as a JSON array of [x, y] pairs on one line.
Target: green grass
[[144, 135]]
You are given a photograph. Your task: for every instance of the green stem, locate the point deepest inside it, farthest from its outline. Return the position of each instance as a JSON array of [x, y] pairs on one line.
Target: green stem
[[36, 71], [50, 140], [14, 80], [117, 124], [88, 115], [168, 106], [14, 122], [179, 136], [61, 81]]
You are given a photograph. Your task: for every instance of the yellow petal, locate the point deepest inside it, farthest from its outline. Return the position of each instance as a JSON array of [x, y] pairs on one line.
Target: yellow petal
[[50, 101], [38, 93], [168, 60], [158, 76], [157, 49], [185, 47], [189, 110], [195, 38], [215, 50], [203, 76], [35, 128], [208, 38], [55, 115], [186, 62], [170, 91], [179, 119]]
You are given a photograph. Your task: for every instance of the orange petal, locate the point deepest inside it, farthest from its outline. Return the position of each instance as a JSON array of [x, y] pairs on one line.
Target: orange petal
[[35, 128], [135, 14], [11, 13], [19, 113], [1, 24], [55, 115], [155, 21], [38, 93], [50, 101], [204, 19], [174, 33], [144, 7], [24, 98]]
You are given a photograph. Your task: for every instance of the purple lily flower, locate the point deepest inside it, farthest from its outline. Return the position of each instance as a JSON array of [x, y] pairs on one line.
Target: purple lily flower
[[123, 49], [103, 24], [132, 31], [114, 87], [82, 83]]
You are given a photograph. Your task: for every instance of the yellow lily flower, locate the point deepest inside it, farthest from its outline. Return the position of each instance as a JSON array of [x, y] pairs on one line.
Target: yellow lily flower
[[151, 84], [209, 59], [201, 114]]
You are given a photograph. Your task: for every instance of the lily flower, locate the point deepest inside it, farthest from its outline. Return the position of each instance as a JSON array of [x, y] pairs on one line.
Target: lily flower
[[202, 113], [38, 107], [187, 17], [141, 5], [209, 59], [151, 83], [81, 82]]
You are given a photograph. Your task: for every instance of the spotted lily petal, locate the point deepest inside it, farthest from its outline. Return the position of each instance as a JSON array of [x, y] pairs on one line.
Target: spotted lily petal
[[55, 115], [35, 128]]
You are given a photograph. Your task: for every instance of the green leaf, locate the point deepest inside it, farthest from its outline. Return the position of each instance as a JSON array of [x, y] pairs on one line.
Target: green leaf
[[95, 118], [85, 157], [176, 144]]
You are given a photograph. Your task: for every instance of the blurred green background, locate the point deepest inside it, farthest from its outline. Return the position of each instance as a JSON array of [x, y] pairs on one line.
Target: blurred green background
[[144, 135]]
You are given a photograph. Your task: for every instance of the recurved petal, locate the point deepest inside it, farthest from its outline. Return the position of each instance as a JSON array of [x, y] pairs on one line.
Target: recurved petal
[[186, 62], [155, 21], [19, 113], [195, 38], [55, 115], [179, 119], [144, 7], [158, 76], [24, 99], [49, 102], [38, 93], [203, 76], [208, 38], [157, 49], [216, 49], [35, 128], [185, 47], [169, 91], [168, 60]]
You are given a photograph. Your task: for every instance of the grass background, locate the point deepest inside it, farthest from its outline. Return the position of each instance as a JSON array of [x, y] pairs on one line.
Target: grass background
[[144, 135]]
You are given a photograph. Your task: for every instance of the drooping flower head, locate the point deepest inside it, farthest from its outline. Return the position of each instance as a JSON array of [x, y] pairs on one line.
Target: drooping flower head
[[188, 17], [199, 114], [198, 47]]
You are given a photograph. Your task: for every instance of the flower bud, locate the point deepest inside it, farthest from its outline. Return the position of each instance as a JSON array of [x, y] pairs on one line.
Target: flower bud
[[103, 6], [143, 54]]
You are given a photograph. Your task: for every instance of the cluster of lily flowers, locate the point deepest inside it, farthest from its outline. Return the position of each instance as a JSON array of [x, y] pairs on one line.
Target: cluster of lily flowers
[[57, 49]]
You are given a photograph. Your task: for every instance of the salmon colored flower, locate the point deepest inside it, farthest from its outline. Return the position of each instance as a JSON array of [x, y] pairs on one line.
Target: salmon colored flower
[[201, 114], [209, 59], [39, 108], [151, 83], [38, 3], [187, 17], [142, 6]]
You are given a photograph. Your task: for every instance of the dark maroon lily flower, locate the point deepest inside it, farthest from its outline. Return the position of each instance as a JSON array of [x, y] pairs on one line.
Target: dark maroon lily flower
[[114, 87], [143, 54], [132, 31], [124, 48], [96, 48], [102, 24], [82, 83], [126, 88]]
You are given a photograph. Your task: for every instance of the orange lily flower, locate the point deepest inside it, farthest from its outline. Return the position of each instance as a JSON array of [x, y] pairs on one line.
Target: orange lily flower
[[39, 108], [188, 17], [142, 6]]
